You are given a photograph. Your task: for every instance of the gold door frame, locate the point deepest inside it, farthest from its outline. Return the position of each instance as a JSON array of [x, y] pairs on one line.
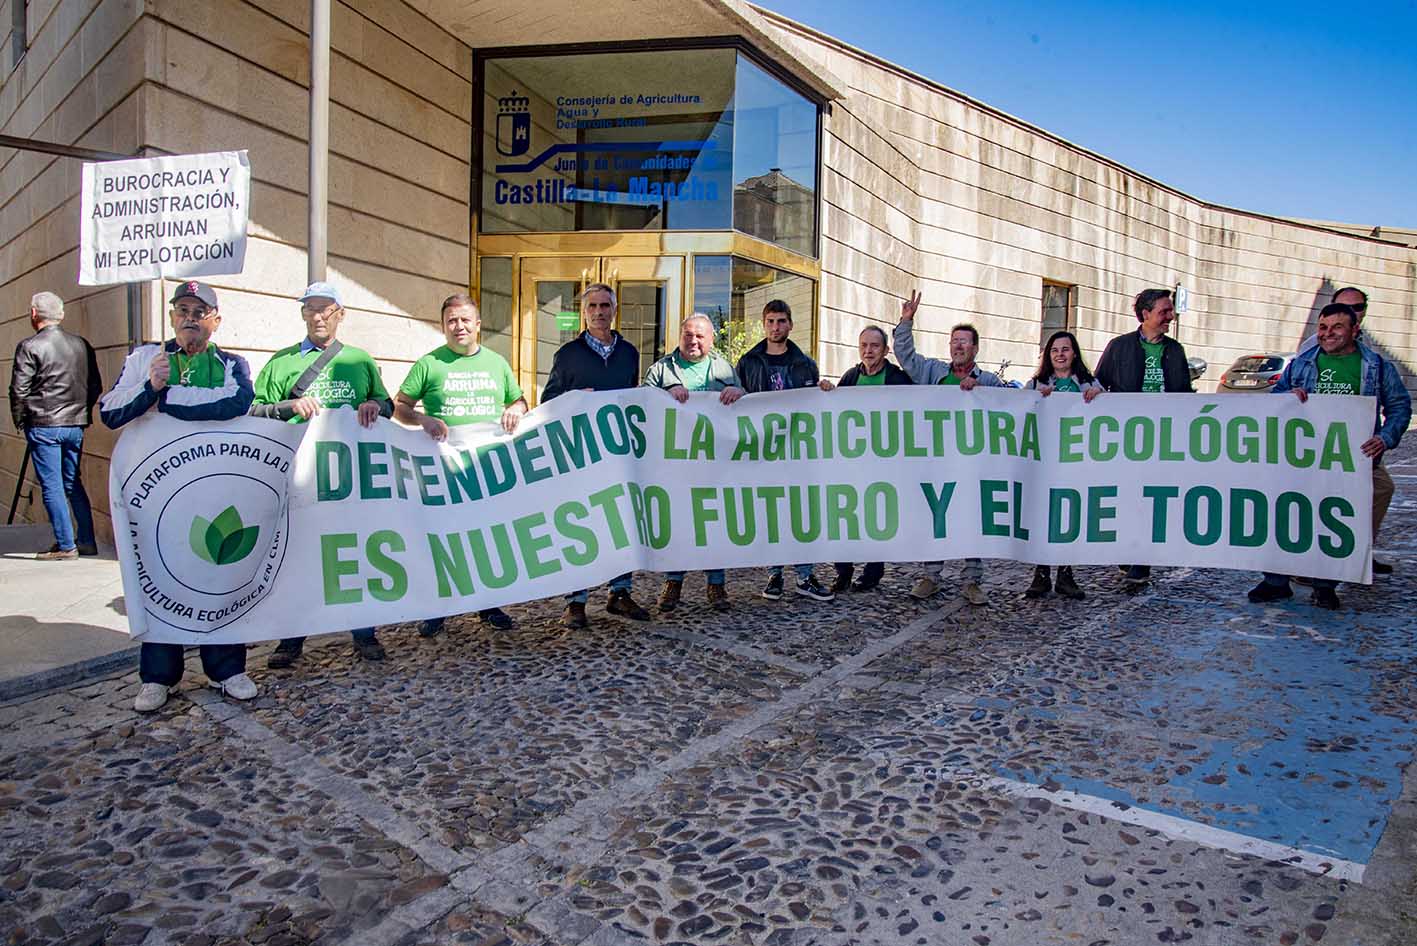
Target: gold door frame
[[584, 255]]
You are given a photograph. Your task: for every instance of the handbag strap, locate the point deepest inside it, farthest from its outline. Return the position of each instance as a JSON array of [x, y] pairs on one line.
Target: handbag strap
[[307, 378]]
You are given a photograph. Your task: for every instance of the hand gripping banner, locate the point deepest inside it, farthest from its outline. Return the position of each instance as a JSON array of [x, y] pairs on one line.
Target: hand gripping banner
[[251, 530]]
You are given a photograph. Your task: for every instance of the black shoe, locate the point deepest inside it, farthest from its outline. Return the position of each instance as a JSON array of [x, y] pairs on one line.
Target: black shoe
[[574, 616], [431, 627], [497, 619], [842, 584], [1379, 568], [1264, 591], [369, 648], [1067, 585], [1042, 583], [622, 605], [809, 587], [861, 585], [1138, 577], [284, 655], [773, 590], [1325, 598]]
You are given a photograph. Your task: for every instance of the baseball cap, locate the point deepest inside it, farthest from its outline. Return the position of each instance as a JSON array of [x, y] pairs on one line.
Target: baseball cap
[[197, 290], [325, 290]]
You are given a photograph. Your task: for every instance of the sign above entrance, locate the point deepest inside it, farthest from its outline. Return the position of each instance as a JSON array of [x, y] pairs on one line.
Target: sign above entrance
[[176, 216]]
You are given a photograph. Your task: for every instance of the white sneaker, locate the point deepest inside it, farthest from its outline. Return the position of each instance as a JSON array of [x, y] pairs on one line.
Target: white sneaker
[[924, 587], [239, 687], [151, 696], [973, 593]]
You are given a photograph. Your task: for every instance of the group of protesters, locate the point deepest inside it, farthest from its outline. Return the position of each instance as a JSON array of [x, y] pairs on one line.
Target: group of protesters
[[56, 382]]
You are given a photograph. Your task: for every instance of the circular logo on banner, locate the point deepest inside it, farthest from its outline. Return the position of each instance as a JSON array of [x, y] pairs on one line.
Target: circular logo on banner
[[209, 524]]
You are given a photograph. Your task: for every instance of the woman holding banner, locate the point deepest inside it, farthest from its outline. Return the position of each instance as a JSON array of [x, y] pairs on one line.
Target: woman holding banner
[[1061, 369]]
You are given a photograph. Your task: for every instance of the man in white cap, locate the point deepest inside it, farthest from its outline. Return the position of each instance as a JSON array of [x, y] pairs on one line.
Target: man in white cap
[[187, 378], [321, 372]]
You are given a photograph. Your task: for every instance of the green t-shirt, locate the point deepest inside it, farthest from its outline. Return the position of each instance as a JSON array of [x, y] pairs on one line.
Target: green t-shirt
[[351, 378], [1068, 384], [203, 370], [1153, 379], [1340, 374], [694, 374], [951, 378], [863, 379], [462, 389]]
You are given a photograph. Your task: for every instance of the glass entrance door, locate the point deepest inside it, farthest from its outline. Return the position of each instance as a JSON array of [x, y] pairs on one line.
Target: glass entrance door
[[649, 290]]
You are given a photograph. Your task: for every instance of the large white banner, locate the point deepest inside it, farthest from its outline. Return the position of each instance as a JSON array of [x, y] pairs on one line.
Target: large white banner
[[252, 529], [177, 216]]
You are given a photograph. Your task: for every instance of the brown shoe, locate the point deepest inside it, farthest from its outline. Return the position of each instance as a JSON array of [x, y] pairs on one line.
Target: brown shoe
[[669, 595], [574, 615], [55, 555], [718, 598], [620, 603]]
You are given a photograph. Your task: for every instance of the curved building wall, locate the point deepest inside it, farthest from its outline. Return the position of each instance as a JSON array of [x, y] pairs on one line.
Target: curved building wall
[[924, 187]]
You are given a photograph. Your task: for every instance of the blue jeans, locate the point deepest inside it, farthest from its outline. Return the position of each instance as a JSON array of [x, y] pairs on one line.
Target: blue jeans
[[803, 571], [618, 583], [163, 663], [715, 576], [1282, 581], [56, 452]]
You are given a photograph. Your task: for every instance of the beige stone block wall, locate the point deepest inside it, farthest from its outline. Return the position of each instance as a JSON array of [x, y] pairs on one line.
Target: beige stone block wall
[[173, 76], [925, 188]]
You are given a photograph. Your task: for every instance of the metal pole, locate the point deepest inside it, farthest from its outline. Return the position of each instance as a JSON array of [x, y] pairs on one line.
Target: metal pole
[[19, 484], [319, 135]]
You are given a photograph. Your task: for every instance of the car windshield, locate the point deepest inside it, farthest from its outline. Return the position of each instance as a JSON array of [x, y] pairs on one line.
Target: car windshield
[[1257, 363]]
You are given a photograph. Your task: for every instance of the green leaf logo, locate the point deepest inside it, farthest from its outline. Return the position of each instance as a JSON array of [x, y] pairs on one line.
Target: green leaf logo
[[223, 540]]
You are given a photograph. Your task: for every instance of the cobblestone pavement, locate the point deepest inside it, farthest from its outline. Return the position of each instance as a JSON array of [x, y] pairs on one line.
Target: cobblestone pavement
[[1175, 767]]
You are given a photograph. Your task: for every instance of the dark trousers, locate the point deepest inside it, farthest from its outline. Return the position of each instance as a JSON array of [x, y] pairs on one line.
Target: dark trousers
[[56, 452], [163, 663], [1282, 581], [871, 572], [297, 644]]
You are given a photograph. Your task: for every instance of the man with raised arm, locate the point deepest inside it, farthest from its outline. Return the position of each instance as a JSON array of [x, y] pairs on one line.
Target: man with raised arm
[[960, 371]]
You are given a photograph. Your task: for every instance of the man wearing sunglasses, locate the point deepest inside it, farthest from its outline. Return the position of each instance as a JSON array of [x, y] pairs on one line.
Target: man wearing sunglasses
[[1383, 488]]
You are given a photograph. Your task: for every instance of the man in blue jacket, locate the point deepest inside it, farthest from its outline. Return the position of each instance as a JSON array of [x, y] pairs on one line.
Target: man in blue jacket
[[187, 378], [1340, 364]]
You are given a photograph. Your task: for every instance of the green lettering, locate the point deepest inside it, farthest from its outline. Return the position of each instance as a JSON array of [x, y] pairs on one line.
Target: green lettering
[[533, 544], [939, 503], [990, 508], [377, 549], [334, 568], [1064, 518], [332, 485], [368, 469], [585, 554], [1332, 511], [1160, 497]]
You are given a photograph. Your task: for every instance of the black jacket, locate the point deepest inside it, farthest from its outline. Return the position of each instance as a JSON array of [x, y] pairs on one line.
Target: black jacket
[[1123, 363], [753, 371], [577, 366], [55, 381], [894, 375]]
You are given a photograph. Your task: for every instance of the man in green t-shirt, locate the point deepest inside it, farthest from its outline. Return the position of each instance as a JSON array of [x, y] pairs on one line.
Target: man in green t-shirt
[[289, 388], [461, 383]]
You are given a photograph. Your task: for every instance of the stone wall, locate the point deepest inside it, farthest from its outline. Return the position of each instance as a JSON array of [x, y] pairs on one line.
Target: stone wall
[[925, 187], [179, 76]]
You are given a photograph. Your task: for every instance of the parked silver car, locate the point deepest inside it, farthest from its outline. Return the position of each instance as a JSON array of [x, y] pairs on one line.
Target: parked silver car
[[1251, 373]]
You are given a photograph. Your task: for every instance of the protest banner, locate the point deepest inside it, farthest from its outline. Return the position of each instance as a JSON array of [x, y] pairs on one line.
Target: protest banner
[[251, 530], [176, 216]]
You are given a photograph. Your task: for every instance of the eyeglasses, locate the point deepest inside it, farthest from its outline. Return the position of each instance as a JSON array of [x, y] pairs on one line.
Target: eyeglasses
[[323, 311], [192, 313], [1359, 307]]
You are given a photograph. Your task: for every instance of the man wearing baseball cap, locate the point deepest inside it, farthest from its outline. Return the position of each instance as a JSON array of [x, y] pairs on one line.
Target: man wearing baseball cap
[[187, 378], [321, 372]]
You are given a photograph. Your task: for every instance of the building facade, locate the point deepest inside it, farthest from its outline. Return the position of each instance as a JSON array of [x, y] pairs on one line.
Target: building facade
[[701, 157]]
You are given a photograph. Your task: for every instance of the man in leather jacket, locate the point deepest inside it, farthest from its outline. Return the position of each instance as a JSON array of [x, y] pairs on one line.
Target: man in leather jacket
[[53, 388]]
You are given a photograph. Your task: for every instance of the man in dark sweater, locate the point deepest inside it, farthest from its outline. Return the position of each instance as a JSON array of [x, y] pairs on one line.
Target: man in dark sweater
[[873, 370], [777, 364], [598, 359], [1150, 362]]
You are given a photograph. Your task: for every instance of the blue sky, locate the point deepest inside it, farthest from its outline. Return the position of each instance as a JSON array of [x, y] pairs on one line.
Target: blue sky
[[1301, 110]]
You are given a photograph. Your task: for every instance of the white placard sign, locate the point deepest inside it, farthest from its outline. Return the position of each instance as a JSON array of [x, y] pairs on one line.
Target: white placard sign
[[172, 217]]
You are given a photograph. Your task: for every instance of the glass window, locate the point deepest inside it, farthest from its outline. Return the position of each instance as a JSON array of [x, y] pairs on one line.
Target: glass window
[[695, 139], [608, 141], [495, 304], [732, 292], [774, 160]]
